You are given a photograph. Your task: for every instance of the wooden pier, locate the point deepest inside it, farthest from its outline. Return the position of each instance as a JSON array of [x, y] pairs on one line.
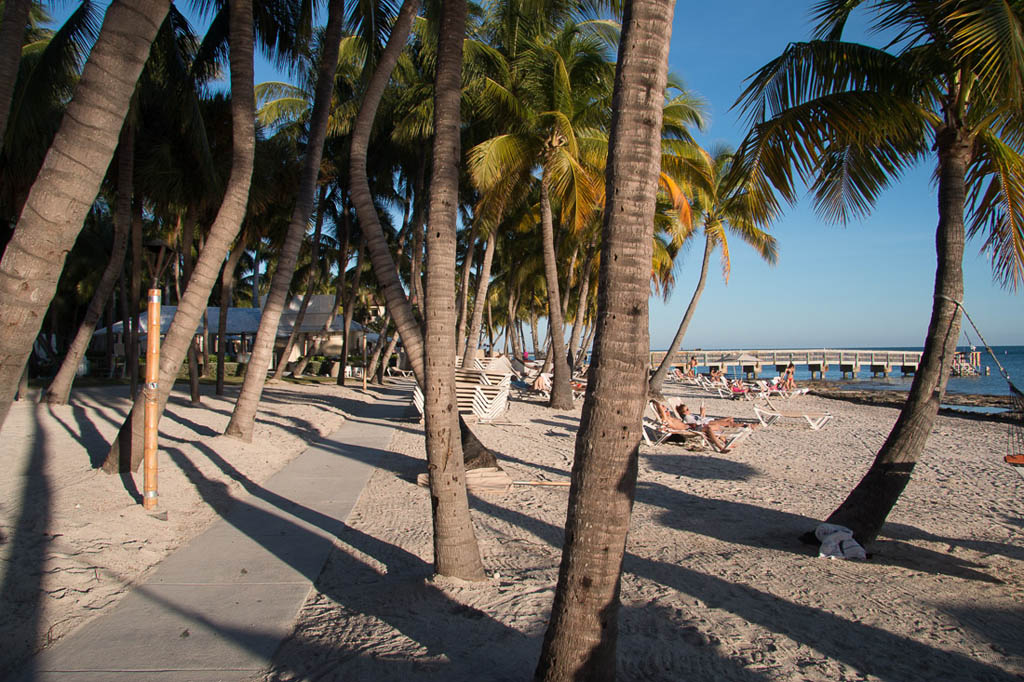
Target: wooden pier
[[818, 361]]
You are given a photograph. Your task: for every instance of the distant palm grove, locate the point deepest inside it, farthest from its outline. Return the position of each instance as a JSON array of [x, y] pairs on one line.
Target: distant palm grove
[[451, 176]]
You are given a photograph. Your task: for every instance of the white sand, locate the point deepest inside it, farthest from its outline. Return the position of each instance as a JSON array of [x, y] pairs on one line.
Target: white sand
[[73, 540], [715, 583]]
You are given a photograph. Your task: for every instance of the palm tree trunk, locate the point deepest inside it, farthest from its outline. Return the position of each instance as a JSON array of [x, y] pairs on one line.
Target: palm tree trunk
[[581, 308], [12, 34], [455, 548], [60, 387], [462, 304], [134, 291], [187, 239], [416, 257], [474, 453], [350, 310], [581, 637], [561, 390], [311, 283], [69, 180], [126, 452], [868, 505], [510, 325], [484, 280], [243, 417], [227, 284], [658, 380]]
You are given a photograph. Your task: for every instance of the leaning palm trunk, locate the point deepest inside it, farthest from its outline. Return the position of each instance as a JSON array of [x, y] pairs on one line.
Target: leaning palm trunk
[[456, 552], [126, 451], [227, 284], [580, 640], [311, 284], [60, 388], [581, 309], [12, 32], [243, 417], [658, 380], [462, 303], [868, 505], [69, 180], [481, 301], [561, 390], [350, 310]]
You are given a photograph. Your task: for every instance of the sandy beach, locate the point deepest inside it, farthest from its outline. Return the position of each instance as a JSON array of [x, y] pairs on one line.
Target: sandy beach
[[716, 584]]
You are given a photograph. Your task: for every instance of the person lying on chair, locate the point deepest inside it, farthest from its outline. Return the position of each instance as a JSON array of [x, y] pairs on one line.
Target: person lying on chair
[[711, 427]]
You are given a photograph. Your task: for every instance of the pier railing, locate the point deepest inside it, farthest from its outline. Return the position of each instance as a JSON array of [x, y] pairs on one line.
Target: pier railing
[[817, 360]]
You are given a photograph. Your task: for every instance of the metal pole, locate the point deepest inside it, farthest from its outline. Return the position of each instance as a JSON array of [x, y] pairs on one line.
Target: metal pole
[[152, 390]]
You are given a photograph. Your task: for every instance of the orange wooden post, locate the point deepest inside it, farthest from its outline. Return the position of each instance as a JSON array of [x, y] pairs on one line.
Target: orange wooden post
[[152, 391]]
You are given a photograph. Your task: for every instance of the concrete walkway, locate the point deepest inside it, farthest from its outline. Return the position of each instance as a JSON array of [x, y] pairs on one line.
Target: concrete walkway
[[217, 609]]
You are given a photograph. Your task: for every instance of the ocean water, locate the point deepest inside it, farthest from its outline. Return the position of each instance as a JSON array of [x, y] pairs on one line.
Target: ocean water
[[1010, 357]]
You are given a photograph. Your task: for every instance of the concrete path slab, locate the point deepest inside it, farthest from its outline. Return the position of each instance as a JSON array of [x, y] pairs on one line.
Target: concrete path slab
[[217, 609]]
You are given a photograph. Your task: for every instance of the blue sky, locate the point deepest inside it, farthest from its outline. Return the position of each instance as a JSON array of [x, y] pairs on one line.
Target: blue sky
[[866, 284]]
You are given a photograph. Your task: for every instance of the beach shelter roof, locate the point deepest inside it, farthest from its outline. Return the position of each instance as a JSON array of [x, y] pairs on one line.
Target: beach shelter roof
[[245, 321], [744, 358]]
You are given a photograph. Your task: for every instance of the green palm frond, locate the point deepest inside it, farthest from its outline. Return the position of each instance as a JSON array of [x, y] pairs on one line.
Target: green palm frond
[[989, 35], [996, 206], [502, 154]]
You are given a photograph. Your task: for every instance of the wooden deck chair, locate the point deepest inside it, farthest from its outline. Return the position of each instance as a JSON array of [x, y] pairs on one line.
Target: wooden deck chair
[[769, 414]]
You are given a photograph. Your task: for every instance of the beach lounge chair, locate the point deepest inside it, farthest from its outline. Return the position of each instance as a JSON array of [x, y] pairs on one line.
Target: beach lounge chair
[[664, 426], [769, 414]]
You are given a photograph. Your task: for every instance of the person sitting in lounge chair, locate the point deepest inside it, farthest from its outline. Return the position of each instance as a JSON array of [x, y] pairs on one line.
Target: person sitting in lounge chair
[[710, 427]]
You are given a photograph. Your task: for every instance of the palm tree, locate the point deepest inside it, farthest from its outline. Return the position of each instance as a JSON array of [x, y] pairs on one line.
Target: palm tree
[[455, 548], [244, 415], [126, 452], [12, 31], [386, 273], [721, 209], [850, 118], [69, 181], [564, 88], [581, 636]]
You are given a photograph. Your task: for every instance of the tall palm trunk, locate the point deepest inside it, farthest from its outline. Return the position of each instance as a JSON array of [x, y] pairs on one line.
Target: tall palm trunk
[[126, 451], [581, 637], [60, 387], [69, 180], [418, 220], [243, 417], [511, 334], [12, 33], [658, 380], [473, 451], [227, 284], [455, 548], [561, 390], [581, 308], [462, 303], [134, 291], [349, 313], [868, 505], [188, 233], [484, 280], [311, 283]]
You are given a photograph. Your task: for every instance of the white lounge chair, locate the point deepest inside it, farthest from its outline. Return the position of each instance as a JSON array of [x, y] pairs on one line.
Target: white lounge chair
[[769, 414]]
